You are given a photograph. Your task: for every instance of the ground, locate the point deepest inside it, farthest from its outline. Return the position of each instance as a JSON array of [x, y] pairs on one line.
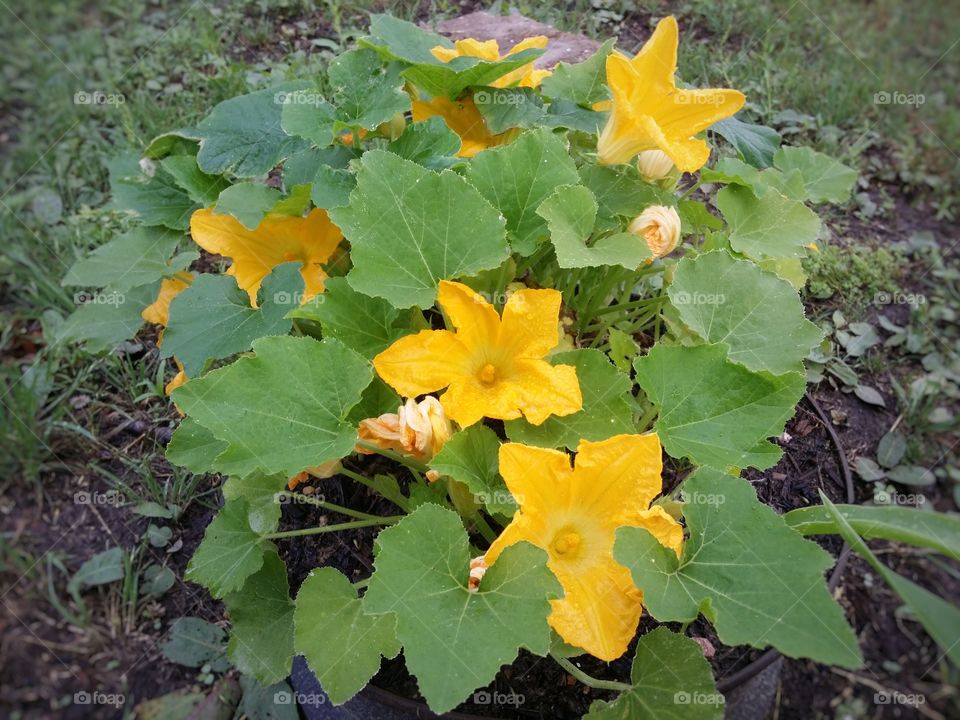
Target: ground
[[81, 436]]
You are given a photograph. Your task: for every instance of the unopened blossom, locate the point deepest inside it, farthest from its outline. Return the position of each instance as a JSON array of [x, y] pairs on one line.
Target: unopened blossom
[[654, 165], [478, 568], [659, 226], [417, 429]]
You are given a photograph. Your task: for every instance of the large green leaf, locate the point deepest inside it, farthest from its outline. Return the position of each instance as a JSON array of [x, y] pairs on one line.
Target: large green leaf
[[714, 411], [757, 580], [401, 40], [607, 407], [505, 108], [213, 319], [758, 316], [202, 188], [243, 135], [825, 179], [471, 456], [620, 192], [261, 641], [194, 447], [156, 199], [570, 213], [455, 640], [362, 323], [768, 226], [135, 258], [409, 228], [938, 617], [283, 409], [430, 143], [248, 202], [671, 681], [938, 531], [755, 143], [583, 83], [341, 644], [231, 551], [517, 177], [106, 318]]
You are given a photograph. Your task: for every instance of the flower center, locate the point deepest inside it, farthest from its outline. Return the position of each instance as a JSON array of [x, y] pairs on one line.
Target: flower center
[[566, 542], [289, 257], [488, 374]]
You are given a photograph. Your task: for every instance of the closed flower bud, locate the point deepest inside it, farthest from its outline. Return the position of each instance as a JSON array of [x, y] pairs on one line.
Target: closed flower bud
[[417, 429], [394, 127], [660, 227], [654, 165], [478, 568]]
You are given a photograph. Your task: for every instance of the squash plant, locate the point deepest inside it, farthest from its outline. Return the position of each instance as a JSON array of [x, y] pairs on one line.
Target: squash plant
[[485, 273]]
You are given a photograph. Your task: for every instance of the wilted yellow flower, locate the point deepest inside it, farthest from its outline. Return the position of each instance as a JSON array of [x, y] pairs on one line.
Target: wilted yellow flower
[[310, 240], [654, 165], [489, 50], [179, 379], [649, 111], [321, 472], [660, 227], [417, 429], [491, 366], [159, 311], [573, 514]]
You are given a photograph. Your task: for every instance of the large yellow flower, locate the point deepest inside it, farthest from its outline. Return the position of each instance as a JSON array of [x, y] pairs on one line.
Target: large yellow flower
[[278, 239], [649, 111], [489, 50], [492, 367], [573, 514]]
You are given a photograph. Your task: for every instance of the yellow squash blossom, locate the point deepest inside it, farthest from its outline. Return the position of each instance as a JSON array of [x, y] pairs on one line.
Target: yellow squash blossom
[[179, 379], [649, 111], [573, 514], [278, 239], [489, 50], [491, 366], [417, 429], [659, 226], [158, 312]]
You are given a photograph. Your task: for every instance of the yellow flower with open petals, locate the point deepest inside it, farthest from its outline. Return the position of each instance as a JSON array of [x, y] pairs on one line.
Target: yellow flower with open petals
[[158, 311], [491, 366], [573, 514], [649, 111], [278, 239], [489, 50]]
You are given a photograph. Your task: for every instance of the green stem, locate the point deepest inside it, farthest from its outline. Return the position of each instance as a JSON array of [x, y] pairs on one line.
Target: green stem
[[484, 528], [589, 680], [408, 462], [333, 528], [367, 482], [646, 418], [349, 512]]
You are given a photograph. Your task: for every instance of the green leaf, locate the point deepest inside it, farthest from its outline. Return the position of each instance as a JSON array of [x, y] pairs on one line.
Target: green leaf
[[103, 568], [938, 531], [248, 202], [213, 319], [620, 192], [755, 143], [400, 40], [201, 188], [471, 457], [825, 179], [243, 135], [505, 108], [916, 475], [455, 640], [409, 228], [671, 681], [273, 702], [771, 226], [341, 644], [891, 449], [570, 213], [261, 642], [331, 187], [194, 447], [181, 140], [156, 200], [193, 642], [135, 258], [308, 115], [758, 316], [623, 349], [517, 177], [283, 409], [302, 168], [377, 399], [565, 114], [429, 143], [583, 83], [714, 411], [262, 493], [753, 577], [607, 408], [938, 617], [107, 318], [362, 323], [231, 551]]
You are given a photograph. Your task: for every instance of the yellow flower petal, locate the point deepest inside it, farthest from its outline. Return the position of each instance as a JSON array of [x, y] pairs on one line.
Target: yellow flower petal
[[545, 389], [573, 514], [649, 112], [530, 322], [278, 239], [158, 312], [422, 363], [463, 117], [475, 320]]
